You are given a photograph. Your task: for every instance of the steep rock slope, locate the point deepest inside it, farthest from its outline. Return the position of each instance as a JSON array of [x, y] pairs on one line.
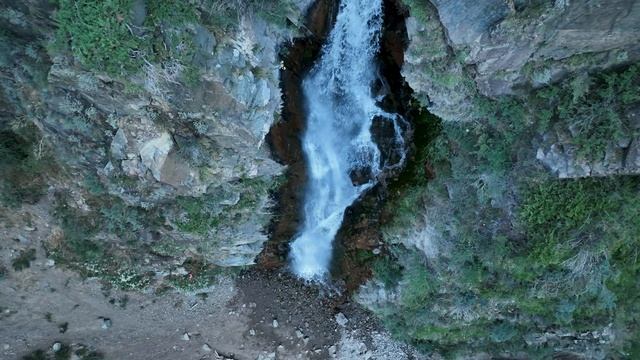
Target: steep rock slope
[[462, 54], [511, 233], [150, 118]]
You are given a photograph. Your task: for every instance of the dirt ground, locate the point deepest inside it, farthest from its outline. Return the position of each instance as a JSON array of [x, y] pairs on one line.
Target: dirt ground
[[255, 315]]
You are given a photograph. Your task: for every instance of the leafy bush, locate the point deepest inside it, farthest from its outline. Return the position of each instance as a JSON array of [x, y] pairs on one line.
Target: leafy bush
[[557, 213], [198, 217], [24, 163], [24, 260], [102, 36], [576, 268], [65, 352], [418, 9], [200, 275], [81, 251], [523, 252], [78, 230], [202, 215], [125, 221], [175, 12], [99, 34], [593, 106], [225, 14], [36, 355]]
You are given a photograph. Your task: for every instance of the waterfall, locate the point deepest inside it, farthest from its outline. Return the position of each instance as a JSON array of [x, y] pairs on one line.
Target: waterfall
[[342, 158]]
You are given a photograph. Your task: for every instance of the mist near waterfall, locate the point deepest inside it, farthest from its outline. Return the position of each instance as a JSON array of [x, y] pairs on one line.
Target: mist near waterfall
[[338, 142]]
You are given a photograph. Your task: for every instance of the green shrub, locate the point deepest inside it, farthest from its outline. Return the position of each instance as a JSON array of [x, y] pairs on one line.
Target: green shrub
[[202, 215], [98, 34], [552, 253], [200, 275], [64, 353], [126, 221], [594, 106], [87, 354], [419, 286], [275, 12], [79, 228], [387, 270], [225, 15], [174, 12], [198, 217], [24, 260], [91, 257], [36, 355], [419, 9], [101, 36], [24, 163], [577, 268]]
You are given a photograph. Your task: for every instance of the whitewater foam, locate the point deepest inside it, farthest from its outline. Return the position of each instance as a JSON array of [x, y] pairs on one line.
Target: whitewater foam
[[341, 108]]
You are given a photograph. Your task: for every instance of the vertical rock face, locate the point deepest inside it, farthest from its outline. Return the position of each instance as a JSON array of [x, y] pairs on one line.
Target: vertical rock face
[[462, 53], [154, 136], [513, 45], [467, 21]]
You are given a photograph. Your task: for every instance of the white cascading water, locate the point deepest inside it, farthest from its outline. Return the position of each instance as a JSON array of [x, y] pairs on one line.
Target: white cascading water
[[341, 108]]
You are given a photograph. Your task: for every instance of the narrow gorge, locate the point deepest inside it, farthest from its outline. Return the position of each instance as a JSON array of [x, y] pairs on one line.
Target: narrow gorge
[[319, 179], [343, 161]]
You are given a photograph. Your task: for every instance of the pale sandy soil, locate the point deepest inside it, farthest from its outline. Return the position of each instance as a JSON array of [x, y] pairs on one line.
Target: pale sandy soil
[[235, 320]]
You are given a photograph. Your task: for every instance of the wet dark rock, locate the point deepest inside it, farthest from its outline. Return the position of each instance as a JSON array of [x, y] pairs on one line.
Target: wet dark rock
[[361, 175], [285, 136], [360, 232], [391, 149]]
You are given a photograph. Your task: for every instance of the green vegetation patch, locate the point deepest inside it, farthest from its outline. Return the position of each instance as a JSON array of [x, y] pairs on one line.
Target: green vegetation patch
[[36, 355], [24, 260], [576, 268], [225, 15], [99, 34], [200, 275], [518, 253], [204, 214], [594, 106], [102, 36], [24, 162], [174, 12], [113, 261], [420, 9], [65, 352]]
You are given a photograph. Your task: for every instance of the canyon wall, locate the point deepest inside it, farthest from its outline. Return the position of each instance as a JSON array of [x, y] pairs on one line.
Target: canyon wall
[[505, 239], [177, 127], [462, 52]]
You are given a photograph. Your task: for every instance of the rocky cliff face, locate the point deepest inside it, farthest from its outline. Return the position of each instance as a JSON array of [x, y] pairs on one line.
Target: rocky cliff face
[[462, 52], [176, 131], [513, 46], [498, 242], [522, 44], [136, 133]]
